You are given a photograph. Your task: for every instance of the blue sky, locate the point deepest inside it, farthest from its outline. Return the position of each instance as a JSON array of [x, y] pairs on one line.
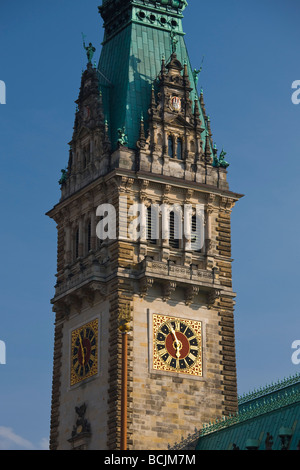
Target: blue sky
[[250, 62]]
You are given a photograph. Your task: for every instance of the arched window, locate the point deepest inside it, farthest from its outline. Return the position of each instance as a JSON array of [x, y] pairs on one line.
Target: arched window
[[179, 149], [170, 147]]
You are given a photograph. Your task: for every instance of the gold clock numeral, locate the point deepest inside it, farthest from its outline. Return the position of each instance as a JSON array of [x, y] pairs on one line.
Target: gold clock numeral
[[163, 351], [168, 360]]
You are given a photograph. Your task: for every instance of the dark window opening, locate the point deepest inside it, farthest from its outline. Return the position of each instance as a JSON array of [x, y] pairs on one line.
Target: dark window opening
[[179, 149], [173, 241], [151, 226], [170, 147], [196, 238], [89, 236], [76, 253]]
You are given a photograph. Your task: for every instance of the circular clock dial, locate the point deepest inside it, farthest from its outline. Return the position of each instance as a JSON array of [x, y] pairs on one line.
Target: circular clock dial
[[84, 352], [177, 345]]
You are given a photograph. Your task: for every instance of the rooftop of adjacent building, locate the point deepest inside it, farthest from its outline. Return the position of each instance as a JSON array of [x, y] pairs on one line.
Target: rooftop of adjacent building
[[268, 419]]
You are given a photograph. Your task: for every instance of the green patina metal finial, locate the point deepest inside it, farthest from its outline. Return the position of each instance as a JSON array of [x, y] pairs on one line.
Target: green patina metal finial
[[90, 49]]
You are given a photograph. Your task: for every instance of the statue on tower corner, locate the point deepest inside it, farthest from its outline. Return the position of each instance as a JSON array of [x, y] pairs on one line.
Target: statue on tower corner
[[122, 140], [64, 177], [90, 49], [222, 161], [197, 72], [174, 42]]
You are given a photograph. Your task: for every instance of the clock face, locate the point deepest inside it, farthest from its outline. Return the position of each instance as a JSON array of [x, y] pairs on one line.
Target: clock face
[[84, 352], [177, 345]]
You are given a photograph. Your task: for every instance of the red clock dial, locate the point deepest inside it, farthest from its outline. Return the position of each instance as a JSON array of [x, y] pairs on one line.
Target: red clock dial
[[177, 345]]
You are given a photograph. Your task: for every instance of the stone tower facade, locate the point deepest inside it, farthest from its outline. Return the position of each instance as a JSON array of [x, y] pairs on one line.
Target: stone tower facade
[[142, 145]]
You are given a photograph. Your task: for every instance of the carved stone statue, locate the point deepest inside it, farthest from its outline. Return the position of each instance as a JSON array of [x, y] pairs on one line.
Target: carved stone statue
[[82, 425]]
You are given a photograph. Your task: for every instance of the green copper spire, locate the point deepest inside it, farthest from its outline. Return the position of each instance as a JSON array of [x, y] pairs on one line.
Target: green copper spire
[[137, 34]]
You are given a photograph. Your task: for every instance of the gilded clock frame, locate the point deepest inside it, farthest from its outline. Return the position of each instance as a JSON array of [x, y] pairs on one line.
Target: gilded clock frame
[[196, 370], [74, 378]]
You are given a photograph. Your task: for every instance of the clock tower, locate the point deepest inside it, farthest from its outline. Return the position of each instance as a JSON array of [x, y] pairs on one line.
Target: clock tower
[[144, 347]]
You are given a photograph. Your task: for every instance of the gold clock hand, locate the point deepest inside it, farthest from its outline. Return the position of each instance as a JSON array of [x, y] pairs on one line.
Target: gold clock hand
[[178, 353], [176, 340], [82, 350]]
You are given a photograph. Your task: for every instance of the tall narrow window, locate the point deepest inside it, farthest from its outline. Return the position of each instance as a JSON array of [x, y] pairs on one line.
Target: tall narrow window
[[170, 147], [89, 236], [179, 149], [196, 234], [194, 229], [173, 241], [151, 227], [76, 248]]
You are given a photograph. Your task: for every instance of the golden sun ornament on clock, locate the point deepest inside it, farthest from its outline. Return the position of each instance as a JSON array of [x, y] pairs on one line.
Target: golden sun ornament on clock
[[177, 345], [84, 352]]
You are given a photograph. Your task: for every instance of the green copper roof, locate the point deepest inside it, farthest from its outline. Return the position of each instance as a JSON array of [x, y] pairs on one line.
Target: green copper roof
[[137, 36], [262, 411]]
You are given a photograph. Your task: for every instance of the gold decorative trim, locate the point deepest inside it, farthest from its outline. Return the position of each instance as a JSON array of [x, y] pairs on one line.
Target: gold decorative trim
[[158, 364], [75, 378]]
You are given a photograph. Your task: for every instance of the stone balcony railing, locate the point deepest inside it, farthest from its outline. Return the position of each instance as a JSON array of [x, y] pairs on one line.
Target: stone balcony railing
[[179, 273], [147, 272]]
